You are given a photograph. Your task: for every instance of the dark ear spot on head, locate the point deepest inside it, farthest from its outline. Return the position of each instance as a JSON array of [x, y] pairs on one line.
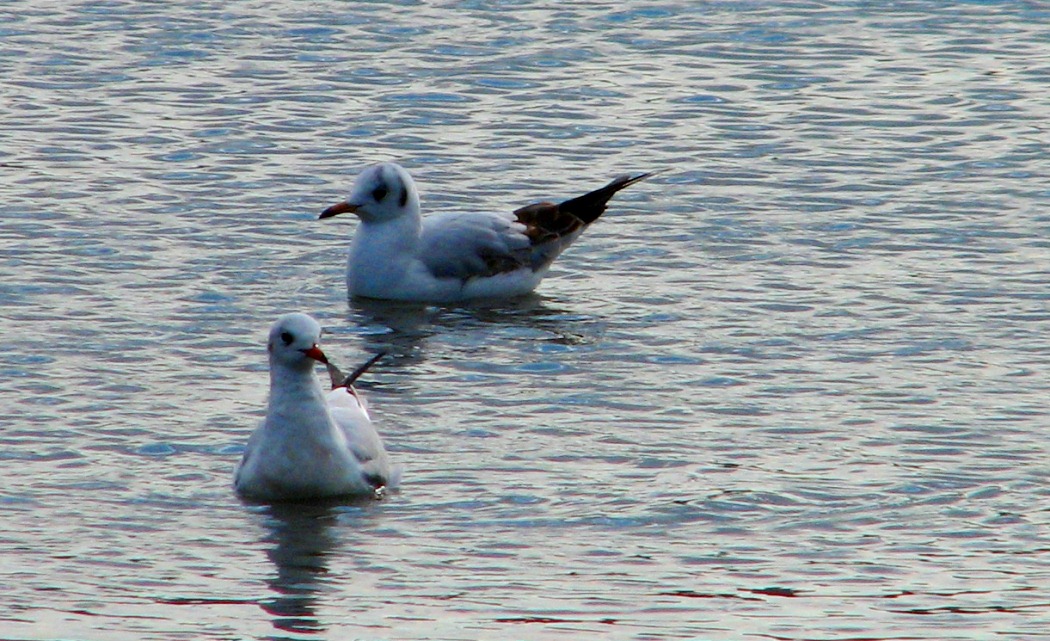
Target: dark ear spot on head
[[402, 200], [379, 193]]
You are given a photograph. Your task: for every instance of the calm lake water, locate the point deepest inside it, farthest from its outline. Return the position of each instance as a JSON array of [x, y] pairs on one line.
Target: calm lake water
[[794, 387]]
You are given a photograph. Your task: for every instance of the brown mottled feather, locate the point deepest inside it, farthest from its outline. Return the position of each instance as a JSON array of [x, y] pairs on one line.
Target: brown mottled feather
[[549, 228], [547, 221]]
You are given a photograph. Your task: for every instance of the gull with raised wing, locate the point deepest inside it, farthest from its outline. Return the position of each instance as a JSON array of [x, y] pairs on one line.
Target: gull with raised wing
[[312, 444], [445, 257]]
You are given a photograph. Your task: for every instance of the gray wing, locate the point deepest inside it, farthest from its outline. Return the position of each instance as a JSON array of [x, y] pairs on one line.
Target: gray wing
[[472, 245], [365, 445], [468, 245]]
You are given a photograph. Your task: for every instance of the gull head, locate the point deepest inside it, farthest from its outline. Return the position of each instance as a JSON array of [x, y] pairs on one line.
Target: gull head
[[293, 342], [382, 192]]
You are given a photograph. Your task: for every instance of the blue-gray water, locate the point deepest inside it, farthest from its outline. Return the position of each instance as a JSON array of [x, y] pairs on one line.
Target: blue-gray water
[[794, 387]]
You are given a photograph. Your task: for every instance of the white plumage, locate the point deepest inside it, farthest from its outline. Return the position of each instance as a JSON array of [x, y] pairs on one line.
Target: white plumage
[[312, 443], [398, 254]]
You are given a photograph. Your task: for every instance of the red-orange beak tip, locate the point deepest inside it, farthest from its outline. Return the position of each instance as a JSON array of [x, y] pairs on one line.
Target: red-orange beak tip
[[316, 354]]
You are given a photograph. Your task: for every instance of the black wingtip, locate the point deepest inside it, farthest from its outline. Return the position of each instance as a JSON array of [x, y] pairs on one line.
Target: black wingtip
[[341, 380], [591, 205], [357, 373]]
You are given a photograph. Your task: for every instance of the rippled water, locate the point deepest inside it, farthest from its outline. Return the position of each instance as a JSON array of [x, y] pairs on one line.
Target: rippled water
[[794, 387]]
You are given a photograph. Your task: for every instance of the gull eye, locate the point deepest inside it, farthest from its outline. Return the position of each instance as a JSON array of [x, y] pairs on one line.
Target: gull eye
[[379, 193], [287, 338]]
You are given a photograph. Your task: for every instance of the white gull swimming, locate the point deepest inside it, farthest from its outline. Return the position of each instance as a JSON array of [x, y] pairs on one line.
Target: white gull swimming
[[312, 443], [398, 254]]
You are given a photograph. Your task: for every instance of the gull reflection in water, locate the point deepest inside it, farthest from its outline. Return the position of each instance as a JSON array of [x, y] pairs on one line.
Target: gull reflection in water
[[303, 540], [402, 329]]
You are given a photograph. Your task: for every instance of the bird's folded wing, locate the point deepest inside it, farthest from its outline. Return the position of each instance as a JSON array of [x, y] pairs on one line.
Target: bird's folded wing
[[361, 437], [468, 245]]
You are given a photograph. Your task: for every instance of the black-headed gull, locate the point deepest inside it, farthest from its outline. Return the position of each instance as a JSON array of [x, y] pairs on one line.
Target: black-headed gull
[[398, 254], [312, 443]]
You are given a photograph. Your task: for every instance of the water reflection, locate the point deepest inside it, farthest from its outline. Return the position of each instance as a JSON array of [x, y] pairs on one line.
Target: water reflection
[[403, 329], [303, 542], [399, 329]]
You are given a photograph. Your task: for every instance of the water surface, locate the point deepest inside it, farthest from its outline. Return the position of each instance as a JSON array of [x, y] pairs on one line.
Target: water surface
[[794, 387]]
